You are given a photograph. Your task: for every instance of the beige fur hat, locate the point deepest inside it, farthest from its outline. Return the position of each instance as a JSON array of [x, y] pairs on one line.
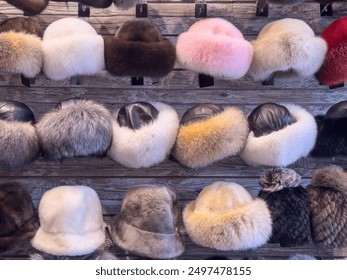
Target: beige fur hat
[[71, 222], [226, 217], [209, 133], [149, 223]]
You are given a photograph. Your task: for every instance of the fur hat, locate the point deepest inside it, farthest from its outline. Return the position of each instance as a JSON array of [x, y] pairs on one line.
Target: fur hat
[[32, 7], [19, 144], [76, 128], [125, 4], [143, 134], [289, 205], [284, 146], [208, 134], [149, 223], [18, 220], [20, 48], [139, 49], [92, 3], [226, 217], [72, 47], [71, 222], [214, 47], [332, 132], [286, 44], [334, 69], [328, 192]]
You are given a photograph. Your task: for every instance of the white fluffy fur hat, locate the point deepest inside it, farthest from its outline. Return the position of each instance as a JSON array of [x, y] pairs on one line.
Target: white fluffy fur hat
[[71, 222], [286, 44], [285, 146], [72, 47], [143, 134], [226, 217]]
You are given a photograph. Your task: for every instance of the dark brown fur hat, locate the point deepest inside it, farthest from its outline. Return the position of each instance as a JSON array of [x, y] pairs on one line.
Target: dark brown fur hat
[[22, 24], [32, 7], [289, 204], [328, 194], [18, 219], [138, 49], [92, 3], [76, 128]]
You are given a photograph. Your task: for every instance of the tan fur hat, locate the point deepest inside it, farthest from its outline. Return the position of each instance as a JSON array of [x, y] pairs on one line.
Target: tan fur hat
[[226, 217], [209, 133], [149, 223]]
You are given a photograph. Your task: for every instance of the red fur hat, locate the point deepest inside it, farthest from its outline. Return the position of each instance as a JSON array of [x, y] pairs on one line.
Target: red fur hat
[[334, 68]]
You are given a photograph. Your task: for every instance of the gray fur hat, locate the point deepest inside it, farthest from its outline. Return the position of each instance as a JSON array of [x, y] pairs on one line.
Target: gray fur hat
[[328, 194], [76, 128], [149, 223], [19, 143], [18, 219]]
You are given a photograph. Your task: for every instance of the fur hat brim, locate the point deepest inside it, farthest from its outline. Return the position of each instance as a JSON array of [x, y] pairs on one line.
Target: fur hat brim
[[32, 7], [150, 144], [19, 144], [287, 44], [26, 53], [283, 147], [331, 138], [131, 58], [204, 142], [80, 54], [149, 244], [220, 56], [243, 228], [76, 130]]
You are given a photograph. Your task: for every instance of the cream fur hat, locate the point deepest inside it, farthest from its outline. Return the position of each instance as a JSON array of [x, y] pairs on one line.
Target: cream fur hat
[[286, 44], [226, 217], [71, 222], [72, 47]]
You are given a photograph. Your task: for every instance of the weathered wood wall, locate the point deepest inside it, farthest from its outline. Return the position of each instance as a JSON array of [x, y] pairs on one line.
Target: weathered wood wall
[[180, 89]]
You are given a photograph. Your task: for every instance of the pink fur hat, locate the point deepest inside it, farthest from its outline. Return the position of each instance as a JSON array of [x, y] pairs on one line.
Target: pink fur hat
[[214, 47]]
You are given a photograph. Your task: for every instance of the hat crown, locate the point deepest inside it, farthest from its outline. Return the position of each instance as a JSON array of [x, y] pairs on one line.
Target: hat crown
[[137, 114], [11, 110], [221, 197], [139, 30], [200, 112], [21, 24], [70, 209], [152, 209], [269, 117], [337, 111]]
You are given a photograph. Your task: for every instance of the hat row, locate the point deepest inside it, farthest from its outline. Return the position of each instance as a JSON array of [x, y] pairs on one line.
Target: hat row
[[214, 46], [34, 7], [224, 216], [142, 134]]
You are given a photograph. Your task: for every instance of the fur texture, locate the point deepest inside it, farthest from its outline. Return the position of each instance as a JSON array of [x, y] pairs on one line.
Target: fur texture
[[331, 138], [72, 47], [71, 222], [150, 144], [20, 53], [138, 49], [334, 68], [289, 204], [18, 220], [328, 192], [21, 24], [97, 255], [214, 47], [225, 217], [302, 257], [205, 142], [81, 128], [32, 7], [125, 4], [286, 2], [149, 223], [283, 147], [286, 44], [92, 3], [19, 144]]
